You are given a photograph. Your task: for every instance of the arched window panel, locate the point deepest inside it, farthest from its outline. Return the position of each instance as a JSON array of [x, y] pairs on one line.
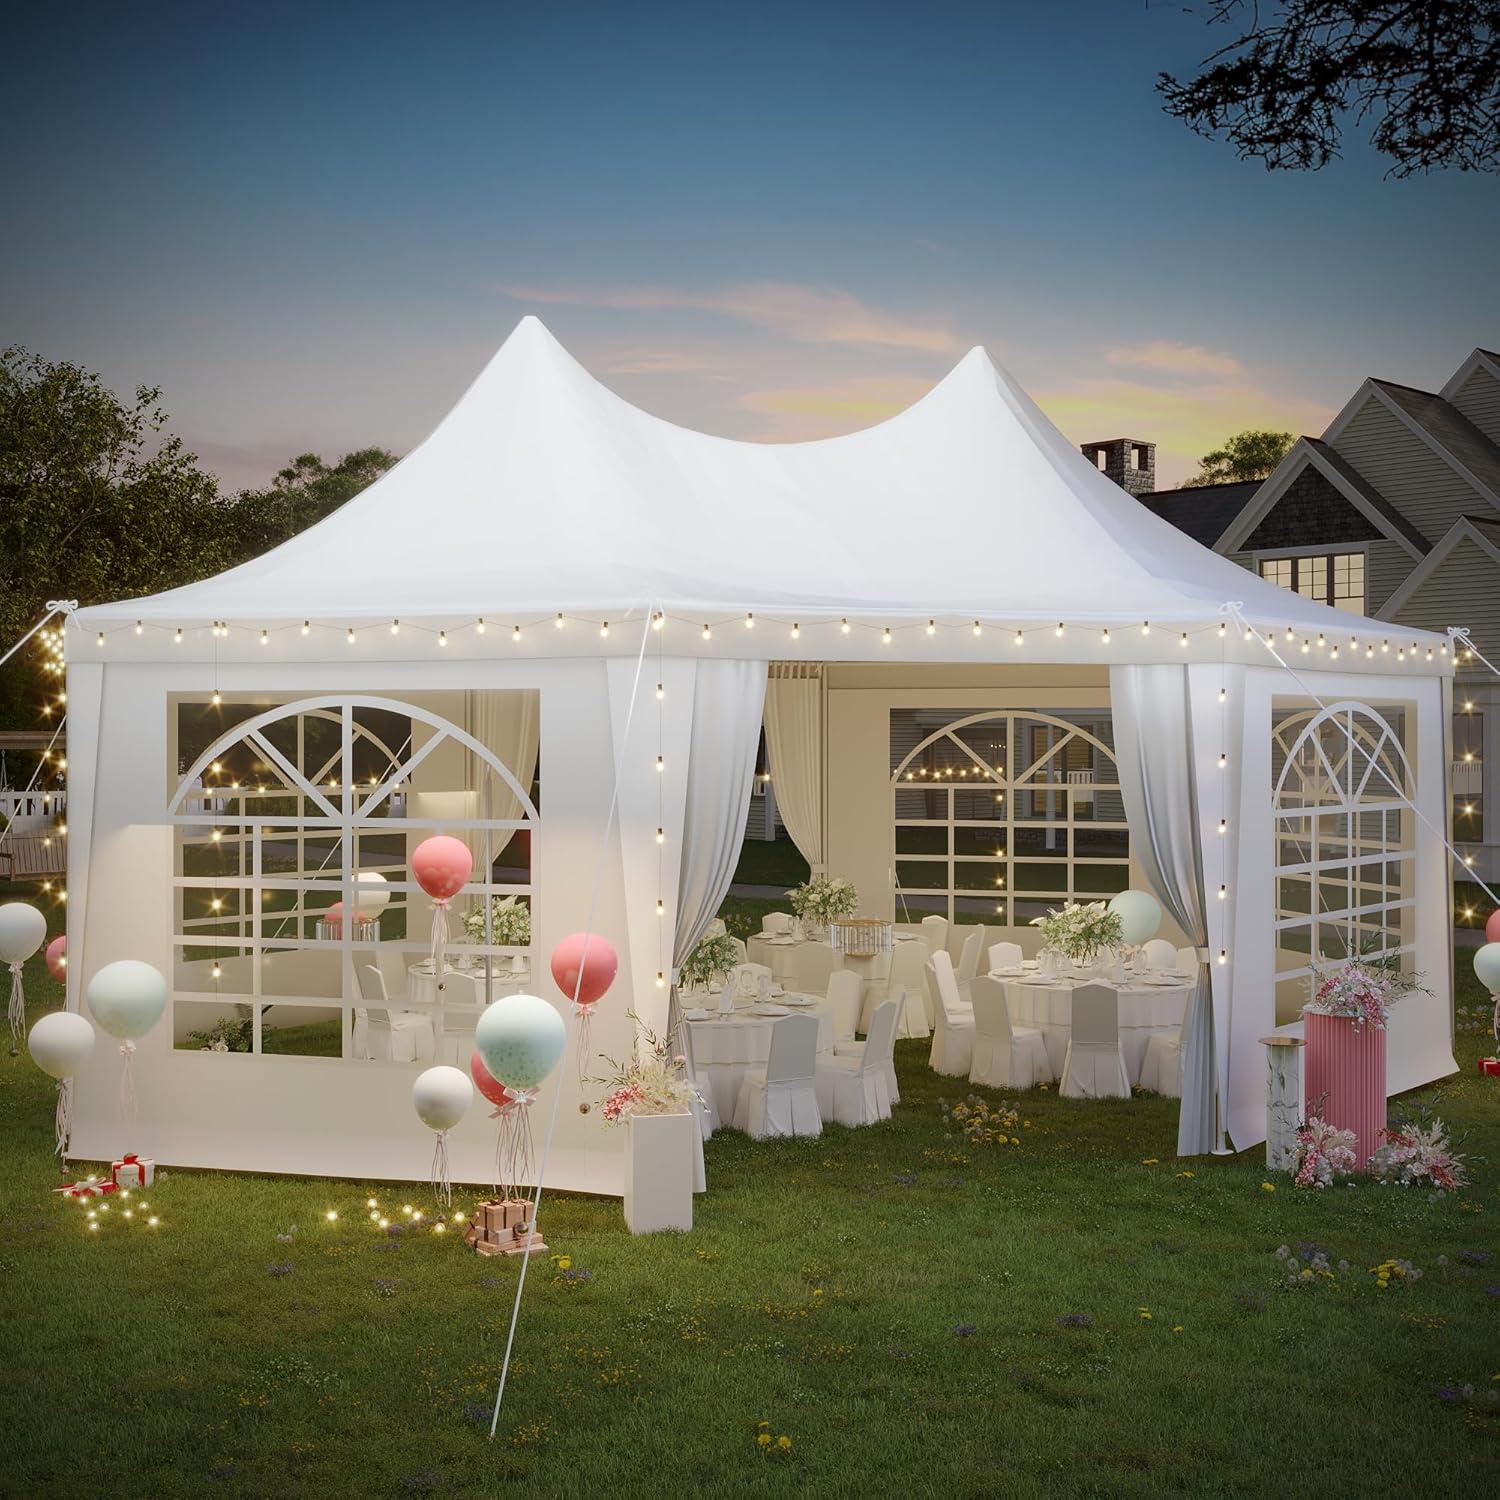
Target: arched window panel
[[294, 903], [1344, 842], [1000, 815]]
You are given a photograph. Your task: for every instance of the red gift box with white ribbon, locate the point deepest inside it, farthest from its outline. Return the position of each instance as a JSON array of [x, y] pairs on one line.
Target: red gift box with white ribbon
[[132, 1171], [1490, 1065]]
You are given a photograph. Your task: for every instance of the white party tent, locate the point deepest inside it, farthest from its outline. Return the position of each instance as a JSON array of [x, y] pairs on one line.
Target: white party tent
[[560, 615]]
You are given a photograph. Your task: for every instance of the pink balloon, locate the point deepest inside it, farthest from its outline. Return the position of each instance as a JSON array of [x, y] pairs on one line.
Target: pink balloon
[[334, 915], [441, 865], [1491, 928], [599, 967], [486, 1082], [57, 958]]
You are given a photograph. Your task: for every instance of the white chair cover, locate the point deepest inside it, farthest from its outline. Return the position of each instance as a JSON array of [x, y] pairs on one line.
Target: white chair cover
[[935, 932], [968, 962], [906, 984], [953, 1021], [811, 966], [1005, 956], [856, 1090], [385, 1034], [776, 923], [782, 1098], [1094, 1067], [1161, 1072], [1187, 962], [1161, 956], [739, 948], [844, 987], [1005, 1056], [716, 928]]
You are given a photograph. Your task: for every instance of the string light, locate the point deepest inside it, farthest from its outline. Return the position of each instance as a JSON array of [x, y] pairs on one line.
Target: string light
[[708, 635], [796, 631], [216, 700], [515, 634], [100, 640], [177, 636], [1222, 629], [306, 627], [1184, 639], [661, 765], [265, 637], [1223, 760], [442, 638], [1145, 627], [479, 626], [332, 1215], [844, 626], [749, 622], [661, 909], [1223, 825], [978, 628], [139, 628], [932, 627], [658, 620], [1020, 639], [661, 980], [1059, 631], [661, 835], [1223, 956], [350, 636], [558, 622], [1223, 694], [885, 636], [660, 692], [1105, 637], [1223, 892], [395, 627]]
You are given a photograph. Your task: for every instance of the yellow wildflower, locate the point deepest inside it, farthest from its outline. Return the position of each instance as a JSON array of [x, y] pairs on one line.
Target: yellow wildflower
[[784, 1442], [564, 1262], [1268, 1187], [1150, 1161], [764, 1439], [1187, 1174], [1178, 1328], [1145, 1316]]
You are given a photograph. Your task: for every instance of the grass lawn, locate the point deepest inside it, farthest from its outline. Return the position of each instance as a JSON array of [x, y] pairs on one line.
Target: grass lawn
[[918, 1314]]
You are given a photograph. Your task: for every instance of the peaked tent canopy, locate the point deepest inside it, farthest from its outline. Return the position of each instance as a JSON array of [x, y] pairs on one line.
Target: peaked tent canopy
[[544, 491]]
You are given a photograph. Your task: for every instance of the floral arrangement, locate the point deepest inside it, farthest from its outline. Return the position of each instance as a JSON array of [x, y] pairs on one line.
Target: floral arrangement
[[1323, 1153], [1079, 932], [227, 1034], [824, 899], [713, 955], [510, 923], [1362, 989], [1416, 1154], [654, 1082], [982, 1123]]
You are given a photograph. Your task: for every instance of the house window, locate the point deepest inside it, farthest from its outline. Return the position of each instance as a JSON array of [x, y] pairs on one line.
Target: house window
[[1000, 816], [1336, 578]]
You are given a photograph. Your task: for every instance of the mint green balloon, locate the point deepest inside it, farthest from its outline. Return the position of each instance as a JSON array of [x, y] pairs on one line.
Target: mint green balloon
[[1140, 915], [520, 1038], [1487, 967]]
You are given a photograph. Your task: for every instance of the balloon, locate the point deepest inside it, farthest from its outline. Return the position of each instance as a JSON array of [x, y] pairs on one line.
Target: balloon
[[127, 998], [1492, 927], [334, 915], [488, 1085], [23, 929], [520, 1038], [1140, 915], [1487, 967], [372, 902], [441, 1097], [60, 1043], [599, 966], [441, 865], [57, 958]]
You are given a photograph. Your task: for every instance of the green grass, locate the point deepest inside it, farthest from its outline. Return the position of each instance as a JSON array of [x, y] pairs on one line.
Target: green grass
[[770, 862], [888, 1298]]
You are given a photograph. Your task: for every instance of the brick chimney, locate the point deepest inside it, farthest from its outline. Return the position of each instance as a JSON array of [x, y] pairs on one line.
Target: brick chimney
[[1129, 462]]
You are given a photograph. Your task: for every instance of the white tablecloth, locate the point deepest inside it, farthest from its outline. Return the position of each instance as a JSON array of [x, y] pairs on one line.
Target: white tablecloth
[[724, 1050], [1145, 1010]]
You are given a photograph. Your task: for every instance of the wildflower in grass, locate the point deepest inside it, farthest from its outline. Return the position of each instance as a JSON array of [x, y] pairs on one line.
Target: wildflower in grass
[[1075, 1320], [1150, 1161], [1177, 1328], [1145, 1315], [1187, 1174], [1268, 1187], [281, 1268], [563, 1262], [784, 1443], [1475, 1257], [764, 1439], [963, 1330]]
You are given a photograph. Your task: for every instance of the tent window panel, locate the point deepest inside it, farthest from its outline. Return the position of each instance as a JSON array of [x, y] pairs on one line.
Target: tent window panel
[[924, 875], [301, 1031], [991, 840], [922, 839], [975, 805], [1101, 880], [1102, 843], [971, 875], [1042, 843], [212, 1026]]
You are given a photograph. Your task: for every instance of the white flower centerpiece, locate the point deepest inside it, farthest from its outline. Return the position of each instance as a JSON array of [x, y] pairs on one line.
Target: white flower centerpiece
[[510, 925], [821, 901], [1086, 935], [712, 957]]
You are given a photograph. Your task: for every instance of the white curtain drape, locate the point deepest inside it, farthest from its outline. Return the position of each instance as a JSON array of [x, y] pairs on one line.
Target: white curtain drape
[[727, 703], [794, 750], [1153, 727], [510, 725]]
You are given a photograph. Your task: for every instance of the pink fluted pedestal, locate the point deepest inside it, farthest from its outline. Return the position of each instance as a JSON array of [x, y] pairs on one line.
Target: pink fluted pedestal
[[1346, 1072]]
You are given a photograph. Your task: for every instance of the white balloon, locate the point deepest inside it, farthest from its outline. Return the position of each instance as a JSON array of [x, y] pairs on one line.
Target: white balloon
[[60, 1043], [1487, 966], [1139, 913], [372, 902], [23, 929], [520, 1038], [127, 998], [441, 1097]]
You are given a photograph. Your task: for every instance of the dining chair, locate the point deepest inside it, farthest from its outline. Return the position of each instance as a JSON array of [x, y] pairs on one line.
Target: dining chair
[[968, 961], [1004, 956], [934, 932], [844, 987], [1160, 955], [739, 948], [1161, 1070], [854, 1088], [1188, 963], [400, 1035], [810, 968], [1005, 1056], [715, 928], [1094, 1067], [776, 923], [907, 983], [953, 1021], [782, 1098]]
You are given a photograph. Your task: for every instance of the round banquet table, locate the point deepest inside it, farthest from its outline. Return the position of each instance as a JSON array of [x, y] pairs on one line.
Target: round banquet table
[[797, 963], [1146, 1010], [724, 1049], [456, 1004]]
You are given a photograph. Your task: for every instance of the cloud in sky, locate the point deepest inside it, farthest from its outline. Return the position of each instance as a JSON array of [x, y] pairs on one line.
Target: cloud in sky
[[790, 310], [801, 412], [1172, 358]]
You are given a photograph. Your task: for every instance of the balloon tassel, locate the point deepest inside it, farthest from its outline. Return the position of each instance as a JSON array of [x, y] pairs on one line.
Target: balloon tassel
[[439, 939], [442, 1182], [585, 1014], [62, 1119], [127, 1083], [17, 1007]]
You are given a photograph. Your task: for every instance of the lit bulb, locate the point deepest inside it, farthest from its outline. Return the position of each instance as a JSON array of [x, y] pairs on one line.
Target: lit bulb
[[331, 1215], [350, 636], [1223, 892], [978, 628], [661, 980], [439, 1227], [1145, 627], [932, 627], [658, 620], [796, 631], [515, 633], [885, 636], [395, 627], [661, 765], [1223, 760], [1184, 638], [265, 638], [479, 625], [371, 1203], [661, 909], [844, 626], [100, 639], [1222, 695], [558, 622], [442, 638], [139, 627], [604, 628], [1221, 630], [708, 635], [177, 636], [1223, 825], [1058, 632], [661, 835], [216, 700], [749, 622], [306, 626], [660, 693], [1223, 956], [1105, 637]]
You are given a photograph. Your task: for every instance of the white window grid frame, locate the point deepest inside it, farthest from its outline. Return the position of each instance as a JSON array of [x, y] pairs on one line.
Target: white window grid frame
[[194, 806], [1359, 770], [1073, 789]]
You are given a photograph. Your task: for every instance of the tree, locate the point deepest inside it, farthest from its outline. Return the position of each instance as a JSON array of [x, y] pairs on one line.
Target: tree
[[1425, 73], [302, 494], [1245, 456]]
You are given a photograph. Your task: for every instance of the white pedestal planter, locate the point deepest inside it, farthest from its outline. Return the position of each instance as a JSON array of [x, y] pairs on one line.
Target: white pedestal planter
[[659, 1172], [1283, 1100]]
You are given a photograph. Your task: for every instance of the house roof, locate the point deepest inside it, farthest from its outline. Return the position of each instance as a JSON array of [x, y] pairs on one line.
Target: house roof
[[543, 491], [1354, 480], [1449, 431], [1203, 511], [1482, 530]]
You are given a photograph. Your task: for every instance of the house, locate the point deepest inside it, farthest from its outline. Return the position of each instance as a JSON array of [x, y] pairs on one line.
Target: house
[[1394, 512]]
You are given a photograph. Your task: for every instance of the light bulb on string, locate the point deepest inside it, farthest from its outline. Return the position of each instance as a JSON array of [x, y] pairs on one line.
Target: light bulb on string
[[177, 636], [796, 631], [265, 637], [1020, 639], [658, 620], [844, 626], [749, 622], [306, 626], [1145, 627], [479, 626], [1059, 631], [515, 634], [395, 627], [442, 638], [660, 692], [350, 635], [558, 622], [604, 629], [885, 636], [932, 627], [1184, 638], [708, 635]]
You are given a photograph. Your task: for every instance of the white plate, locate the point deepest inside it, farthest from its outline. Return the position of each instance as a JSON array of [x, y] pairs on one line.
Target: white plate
[[697, 1014], [796, 1000], [772, 1010], [777, 990], [1009, 972]]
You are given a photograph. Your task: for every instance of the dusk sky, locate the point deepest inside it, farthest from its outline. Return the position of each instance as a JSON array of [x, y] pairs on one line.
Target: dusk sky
[[311, 225]]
